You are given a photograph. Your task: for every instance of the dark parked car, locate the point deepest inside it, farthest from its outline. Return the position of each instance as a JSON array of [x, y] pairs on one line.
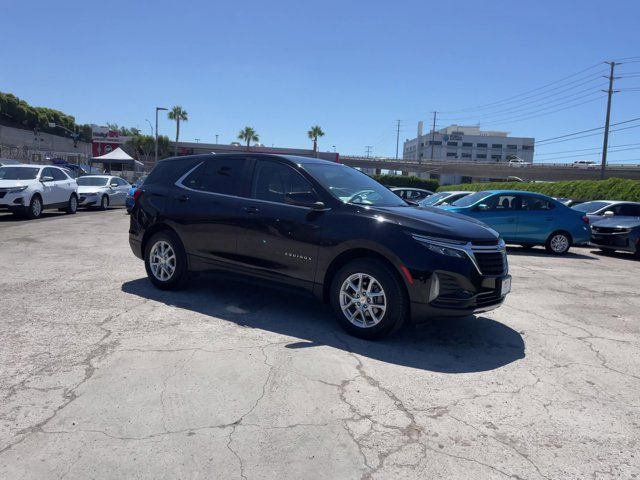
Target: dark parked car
[[617, 233], [598, 209], [320, 226], [411, 194]]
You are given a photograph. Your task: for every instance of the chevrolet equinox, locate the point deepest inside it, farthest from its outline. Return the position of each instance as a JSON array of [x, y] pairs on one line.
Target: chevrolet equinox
[[318, 226]]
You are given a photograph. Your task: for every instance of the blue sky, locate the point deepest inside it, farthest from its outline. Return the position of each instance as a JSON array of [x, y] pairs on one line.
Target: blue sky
[[352, 67]]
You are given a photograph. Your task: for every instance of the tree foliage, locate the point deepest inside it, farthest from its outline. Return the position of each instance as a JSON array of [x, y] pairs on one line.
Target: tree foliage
[[406, 181], [18, 113], [142, 147], [314, 133], [609, 189], [248, 134]]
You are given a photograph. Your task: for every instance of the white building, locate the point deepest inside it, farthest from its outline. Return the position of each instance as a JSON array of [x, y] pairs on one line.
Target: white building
[[467, 143]]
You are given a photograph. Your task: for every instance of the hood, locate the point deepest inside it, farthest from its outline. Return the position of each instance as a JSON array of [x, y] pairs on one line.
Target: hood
[[619, 222], [437, 222], [91, 189], [14, 183]]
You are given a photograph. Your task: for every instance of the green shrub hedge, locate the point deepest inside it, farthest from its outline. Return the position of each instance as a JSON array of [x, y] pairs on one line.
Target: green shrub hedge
[[609, 189], [404, 181]]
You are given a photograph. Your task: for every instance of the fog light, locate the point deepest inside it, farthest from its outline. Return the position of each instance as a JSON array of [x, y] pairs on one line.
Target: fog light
[[434, 290], [19, 201]]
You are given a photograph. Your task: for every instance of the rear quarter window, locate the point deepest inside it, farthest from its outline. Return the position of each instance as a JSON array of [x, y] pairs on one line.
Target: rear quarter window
[[167, 172]]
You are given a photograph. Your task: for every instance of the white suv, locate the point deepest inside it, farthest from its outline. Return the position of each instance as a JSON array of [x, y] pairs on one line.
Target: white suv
[[29, 189]]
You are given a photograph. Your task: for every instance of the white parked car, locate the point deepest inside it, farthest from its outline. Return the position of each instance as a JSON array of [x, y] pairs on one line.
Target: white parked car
[[518, 162], [102, 190], [584, 164], [30, 189]]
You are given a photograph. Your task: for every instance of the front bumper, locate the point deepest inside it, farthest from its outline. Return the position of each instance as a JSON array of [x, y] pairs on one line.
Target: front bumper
[[13, 201], [619, 242], [85, 200]]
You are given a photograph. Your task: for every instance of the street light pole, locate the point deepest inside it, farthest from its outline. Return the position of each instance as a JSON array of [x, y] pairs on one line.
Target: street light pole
[[156, 155], [217, 138]]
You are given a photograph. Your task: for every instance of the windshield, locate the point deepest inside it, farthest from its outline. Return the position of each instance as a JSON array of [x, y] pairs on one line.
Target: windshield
[[92, 181], [470, 199], [433, 199], [18, 173], [590, 207], [351, 186]]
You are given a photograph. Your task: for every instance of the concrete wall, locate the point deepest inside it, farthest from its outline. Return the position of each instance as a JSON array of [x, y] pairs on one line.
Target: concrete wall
[[26, 146]]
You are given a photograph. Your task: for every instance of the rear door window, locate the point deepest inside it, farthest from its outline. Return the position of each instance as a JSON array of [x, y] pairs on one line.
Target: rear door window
[[535, 204], [219, 175]]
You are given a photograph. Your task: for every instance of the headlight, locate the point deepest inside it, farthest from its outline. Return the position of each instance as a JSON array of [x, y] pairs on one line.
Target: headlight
[[18, 189], [443, 246], [445, 250]]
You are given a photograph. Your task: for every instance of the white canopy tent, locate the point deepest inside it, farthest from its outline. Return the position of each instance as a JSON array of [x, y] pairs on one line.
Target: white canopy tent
[[120, 161]]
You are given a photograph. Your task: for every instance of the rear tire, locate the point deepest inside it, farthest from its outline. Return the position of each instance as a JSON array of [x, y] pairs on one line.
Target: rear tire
[[558, 243], [368, 298], [34, 210], [165, 261], [104, 202], [72, 206]]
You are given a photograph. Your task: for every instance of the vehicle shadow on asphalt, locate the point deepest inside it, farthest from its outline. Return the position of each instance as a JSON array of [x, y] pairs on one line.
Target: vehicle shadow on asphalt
[[541, 252], [471, 344]]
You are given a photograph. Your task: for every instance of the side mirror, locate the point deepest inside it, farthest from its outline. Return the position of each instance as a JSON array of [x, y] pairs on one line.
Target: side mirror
[[46, 179], [319, 206], [482, 207], [304, 199], [608, 213]]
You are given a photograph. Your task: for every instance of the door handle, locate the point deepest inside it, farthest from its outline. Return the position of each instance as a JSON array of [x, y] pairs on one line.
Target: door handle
[[251, 210], [182, 198]]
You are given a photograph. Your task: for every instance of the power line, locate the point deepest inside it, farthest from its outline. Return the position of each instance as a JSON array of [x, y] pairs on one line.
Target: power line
[[589, 135], [515, 108], [508, 99], [586, 149], [589, 130]]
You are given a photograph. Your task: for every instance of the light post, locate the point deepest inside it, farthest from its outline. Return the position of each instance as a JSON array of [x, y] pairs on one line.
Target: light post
[[217, 138], [334, 148], [157, 110], [75, 135], [197, 140]]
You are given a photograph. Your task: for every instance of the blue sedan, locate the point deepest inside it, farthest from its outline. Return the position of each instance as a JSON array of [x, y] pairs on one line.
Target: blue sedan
[[527, 218], [129, 200]]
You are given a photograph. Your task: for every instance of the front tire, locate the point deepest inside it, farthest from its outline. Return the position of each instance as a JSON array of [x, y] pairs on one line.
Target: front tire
[[34, 210], [165, 261], [104, 202], [558, 243], [72, 206], [368, 298]]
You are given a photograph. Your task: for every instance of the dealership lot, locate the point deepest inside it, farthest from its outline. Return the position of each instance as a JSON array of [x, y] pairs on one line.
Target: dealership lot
[[104, 376]]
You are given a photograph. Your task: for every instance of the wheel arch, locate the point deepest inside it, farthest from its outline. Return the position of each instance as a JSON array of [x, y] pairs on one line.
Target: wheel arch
[[354, 253], [158, 227]]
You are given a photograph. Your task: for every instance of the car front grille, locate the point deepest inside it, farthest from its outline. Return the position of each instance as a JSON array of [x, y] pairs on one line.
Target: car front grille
[[492, 263], [2, 194], [609, 230]]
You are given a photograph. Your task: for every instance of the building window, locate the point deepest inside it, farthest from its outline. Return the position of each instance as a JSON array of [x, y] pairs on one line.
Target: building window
[[422, 144], [467, 144], [451, 154], [481, 145], [481, 155], [496, 145], [527, 147], [466, 155], [452, 144], [512, 147], [435, 142], [496, 157]]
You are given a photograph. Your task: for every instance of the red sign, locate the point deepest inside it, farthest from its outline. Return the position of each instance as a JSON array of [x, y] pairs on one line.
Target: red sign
[[100, 148]]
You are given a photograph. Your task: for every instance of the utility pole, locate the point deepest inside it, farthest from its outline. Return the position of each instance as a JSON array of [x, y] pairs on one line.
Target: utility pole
[[216, 138], [433, 134], [368, 147], [156, 153], [397, 139], [610, 93]]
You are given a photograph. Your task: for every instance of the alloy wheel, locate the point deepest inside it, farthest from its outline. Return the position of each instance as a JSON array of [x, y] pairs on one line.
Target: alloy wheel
[[363, 300], [162, 260], [36, 207], [559, 243]]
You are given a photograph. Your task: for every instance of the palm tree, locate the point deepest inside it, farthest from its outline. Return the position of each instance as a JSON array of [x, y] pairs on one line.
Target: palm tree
[[178, 114], [314, 133], [249, 135]]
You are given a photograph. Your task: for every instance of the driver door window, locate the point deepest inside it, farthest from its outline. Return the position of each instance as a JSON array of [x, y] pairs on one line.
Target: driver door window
[[275, 182]]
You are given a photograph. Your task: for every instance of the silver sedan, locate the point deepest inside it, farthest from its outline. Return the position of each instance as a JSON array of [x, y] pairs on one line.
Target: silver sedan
[[101, 191]]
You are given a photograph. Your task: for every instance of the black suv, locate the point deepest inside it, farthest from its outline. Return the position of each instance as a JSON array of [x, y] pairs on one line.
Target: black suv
[[320, 226]]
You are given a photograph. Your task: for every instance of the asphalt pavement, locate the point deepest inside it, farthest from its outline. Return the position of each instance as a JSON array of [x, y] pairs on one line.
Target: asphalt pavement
[[103, 376]]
